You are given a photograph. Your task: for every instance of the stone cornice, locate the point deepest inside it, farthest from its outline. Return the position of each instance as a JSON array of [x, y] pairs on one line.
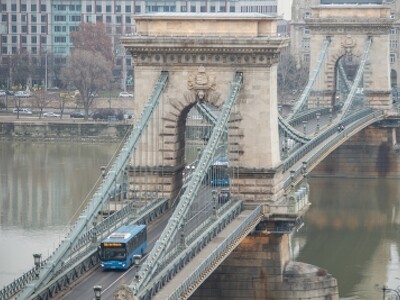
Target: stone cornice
[[171, 50], [350, 22]]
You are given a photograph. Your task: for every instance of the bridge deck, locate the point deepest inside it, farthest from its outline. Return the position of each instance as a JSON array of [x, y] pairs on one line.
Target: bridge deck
[[167, 290]]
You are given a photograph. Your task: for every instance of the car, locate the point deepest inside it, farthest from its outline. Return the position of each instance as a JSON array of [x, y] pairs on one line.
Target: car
[[77, 114], [125, 95], [22, 94], [108, 114], [22, 111], [2, 93], [50, 114]]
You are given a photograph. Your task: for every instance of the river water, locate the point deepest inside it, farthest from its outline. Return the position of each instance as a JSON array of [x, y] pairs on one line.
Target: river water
[[352, 228]]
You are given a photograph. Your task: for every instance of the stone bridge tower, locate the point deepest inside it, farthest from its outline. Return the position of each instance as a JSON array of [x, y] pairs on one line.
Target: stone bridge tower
[[348, 27], [201, 53]]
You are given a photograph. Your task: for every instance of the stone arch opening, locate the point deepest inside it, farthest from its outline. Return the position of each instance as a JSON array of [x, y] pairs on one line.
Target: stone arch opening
[[346, 61]]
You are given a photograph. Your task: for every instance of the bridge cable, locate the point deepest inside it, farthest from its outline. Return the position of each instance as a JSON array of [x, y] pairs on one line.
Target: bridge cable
[[306, 93], [55, 262], [349, 100], [150, 266]]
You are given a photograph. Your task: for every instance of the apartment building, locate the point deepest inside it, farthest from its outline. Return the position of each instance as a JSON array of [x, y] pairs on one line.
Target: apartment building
[[43, 27]]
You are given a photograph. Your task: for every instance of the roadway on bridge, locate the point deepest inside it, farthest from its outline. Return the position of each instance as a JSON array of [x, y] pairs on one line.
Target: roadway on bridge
[[111, 280]]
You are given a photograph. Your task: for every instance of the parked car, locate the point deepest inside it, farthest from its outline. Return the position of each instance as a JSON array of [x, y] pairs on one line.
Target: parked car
[[2, 93], [22, 94], [50, 114], [125, 95], [22, 111], [77, 114], [108, 114]]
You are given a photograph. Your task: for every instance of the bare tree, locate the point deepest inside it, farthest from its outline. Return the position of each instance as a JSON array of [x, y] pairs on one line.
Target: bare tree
[[21, 68], [94, 38], [40, 100], [291, 77], [88, 72]]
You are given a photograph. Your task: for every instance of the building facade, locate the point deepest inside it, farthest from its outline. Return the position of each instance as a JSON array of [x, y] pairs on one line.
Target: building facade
[[42, 28]]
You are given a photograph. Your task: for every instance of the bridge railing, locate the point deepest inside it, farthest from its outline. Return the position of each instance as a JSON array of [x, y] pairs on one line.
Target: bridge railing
[[216, 257], [365, 116]]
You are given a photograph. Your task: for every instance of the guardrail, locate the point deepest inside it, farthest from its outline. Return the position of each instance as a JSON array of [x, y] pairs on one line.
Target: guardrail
[[363, 117]]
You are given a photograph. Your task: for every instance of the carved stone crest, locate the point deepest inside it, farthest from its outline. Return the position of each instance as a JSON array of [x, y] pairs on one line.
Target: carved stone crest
[[201, 86], [348, 43]]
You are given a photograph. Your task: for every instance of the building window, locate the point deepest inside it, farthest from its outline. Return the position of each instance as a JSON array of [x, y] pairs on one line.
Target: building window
[[60, 18], [306, 30], [99, 19], [33, 7], [13, 18], [392, 30], [192, 8], [23, 29], [231, 9], [4, 18], [73, 28], [33, 29], [75, 18], [34, 50], [138, 9], [4, 7], [14, 50], [61, 7], [306, 43], [127, 8], [23, 7], [43, 29], [392, 58], [23, 18], [98, 8], [108, 19], [23, 39], [393, 44], [306, 58], [14, 39], [34, 40], [88, 8], [118, 19], [128, 20], [212, 8], [43, 39], [4, 49], [108, 8], [14, 29], [203, 8], [43, 7], [60, 39], [222, 8], [33, 18], [4, 39], [43, 18], [118, 8], [184, 8], [14, 7]]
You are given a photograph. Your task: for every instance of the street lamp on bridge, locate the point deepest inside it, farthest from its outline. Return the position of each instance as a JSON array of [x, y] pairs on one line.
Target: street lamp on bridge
[[97, 292], [37, 261]]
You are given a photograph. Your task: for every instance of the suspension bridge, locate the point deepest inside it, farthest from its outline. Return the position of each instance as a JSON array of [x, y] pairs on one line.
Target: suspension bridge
[[215, 86]]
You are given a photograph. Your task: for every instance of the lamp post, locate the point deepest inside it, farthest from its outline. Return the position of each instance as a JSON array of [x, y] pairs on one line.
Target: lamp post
[[318, 115], [305, 127], [97, 292], [37, 261]]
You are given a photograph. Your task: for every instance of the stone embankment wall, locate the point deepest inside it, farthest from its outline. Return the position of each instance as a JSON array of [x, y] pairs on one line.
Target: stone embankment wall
[[79, 131], [372, 153]]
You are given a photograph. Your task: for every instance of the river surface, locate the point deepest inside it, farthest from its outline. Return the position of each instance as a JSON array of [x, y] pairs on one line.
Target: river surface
[[352, 228]]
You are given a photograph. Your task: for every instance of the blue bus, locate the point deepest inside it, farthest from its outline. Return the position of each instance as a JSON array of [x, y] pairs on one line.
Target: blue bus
[[118, 250], [218, 172]]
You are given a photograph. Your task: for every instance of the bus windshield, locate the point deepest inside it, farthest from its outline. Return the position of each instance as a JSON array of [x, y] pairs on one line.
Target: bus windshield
[[114, 254]]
